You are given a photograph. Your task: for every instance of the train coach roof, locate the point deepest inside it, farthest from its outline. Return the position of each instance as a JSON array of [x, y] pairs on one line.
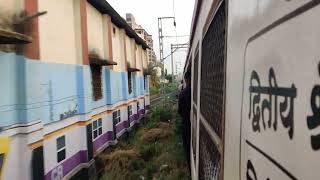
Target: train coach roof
[[194, 22], [105, 8]]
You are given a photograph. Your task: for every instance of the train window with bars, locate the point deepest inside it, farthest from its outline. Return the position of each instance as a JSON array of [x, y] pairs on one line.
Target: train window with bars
[[195, 77], [213, 72], [96, 73], [96, 128], [194, 131], [130, 82], [209, 157], [116, 117], [61, 148]]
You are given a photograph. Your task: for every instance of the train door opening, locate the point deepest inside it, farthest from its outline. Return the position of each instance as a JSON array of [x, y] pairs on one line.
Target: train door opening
[[37, 164], [89, 142]]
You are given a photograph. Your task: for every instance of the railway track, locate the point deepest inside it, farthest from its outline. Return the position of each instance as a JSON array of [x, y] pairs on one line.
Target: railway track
[[159, 99]]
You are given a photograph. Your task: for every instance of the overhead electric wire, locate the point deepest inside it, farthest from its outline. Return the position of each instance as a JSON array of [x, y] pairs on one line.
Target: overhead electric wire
[[178, 48], [176, 36], [169, 54]]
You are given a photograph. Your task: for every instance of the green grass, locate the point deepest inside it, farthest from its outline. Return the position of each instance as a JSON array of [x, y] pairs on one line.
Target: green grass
[[154, 90], [162, 159]]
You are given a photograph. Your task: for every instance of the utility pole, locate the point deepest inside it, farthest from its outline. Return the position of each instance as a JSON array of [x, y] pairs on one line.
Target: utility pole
[[160, 32], [172, 73]]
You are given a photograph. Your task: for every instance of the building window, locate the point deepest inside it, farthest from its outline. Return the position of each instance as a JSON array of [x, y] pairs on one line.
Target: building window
[[138, 106], [96, 128], [61, 148], [96, 73], [114, 31], [130, 110], [116, 117], [130, 82], [145, 81]]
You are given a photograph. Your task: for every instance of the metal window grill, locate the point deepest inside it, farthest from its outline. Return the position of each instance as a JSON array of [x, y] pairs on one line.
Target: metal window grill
[[213, 72], [195, 77], [209, 157], [129, 82], [194, 130], [96, 73]]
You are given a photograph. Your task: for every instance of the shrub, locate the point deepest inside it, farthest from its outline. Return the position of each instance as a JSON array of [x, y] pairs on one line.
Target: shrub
[[136, 164], [154, 134], [160, 113], [154, 90], [147, 151], [150, 170]]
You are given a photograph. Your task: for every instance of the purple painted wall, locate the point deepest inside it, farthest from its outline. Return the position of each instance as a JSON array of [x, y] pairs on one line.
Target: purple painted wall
[[121, 126], [102, 140], [81, 157], [68, 165]]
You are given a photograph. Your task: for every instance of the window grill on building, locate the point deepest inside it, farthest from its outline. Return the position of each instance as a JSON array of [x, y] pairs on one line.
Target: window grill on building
[[209, 157], [96, 73], [116, 117], [213, 72], [130, 82], [61, 148], [195, 77], [96, 128]]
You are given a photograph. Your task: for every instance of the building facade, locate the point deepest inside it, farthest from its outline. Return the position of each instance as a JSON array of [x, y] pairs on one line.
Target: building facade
[[144, 35], [76, 88]]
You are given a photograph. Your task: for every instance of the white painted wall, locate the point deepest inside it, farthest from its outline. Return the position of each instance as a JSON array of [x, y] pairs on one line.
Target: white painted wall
[[141, 103], [76, 140], [124, 113], [133, 49], [107, 123], [134, 107], [147, 100], [57, 32], [9, 8], [144, 58], [122, 52], [130, 50], [18, 163], [96, 37], [117, 48], [106, 22], [139, 59]]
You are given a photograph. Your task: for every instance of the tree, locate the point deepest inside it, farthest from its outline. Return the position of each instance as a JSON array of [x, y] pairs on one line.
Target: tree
[[169, 78], [151, 70]]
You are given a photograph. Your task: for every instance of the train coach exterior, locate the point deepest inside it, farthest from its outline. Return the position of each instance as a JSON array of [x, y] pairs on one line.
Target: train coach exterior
[[255, 74]]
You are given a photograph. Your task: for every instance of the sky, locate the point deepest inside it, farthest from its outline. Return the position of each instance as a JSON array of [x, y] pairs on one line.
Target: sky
[[146, 13]]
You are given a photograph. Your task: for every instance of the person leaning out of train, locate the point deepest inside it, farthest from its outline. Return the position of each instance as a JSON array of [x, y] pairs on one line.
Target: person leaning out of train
[[184, 111]]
